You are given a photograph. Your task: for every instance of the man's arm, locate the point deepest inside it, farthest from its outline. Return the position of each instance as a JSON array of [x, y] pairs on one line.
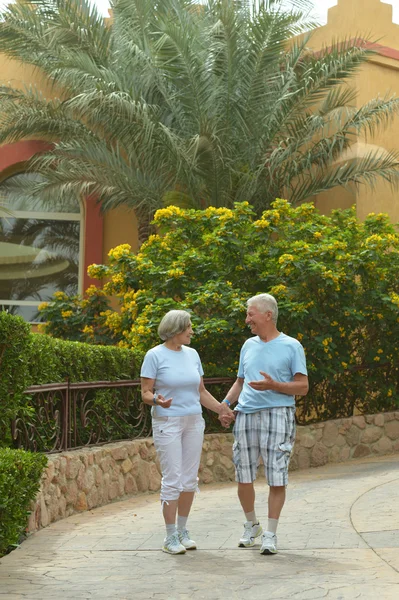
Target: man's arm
[[298, 387], [234, 392]]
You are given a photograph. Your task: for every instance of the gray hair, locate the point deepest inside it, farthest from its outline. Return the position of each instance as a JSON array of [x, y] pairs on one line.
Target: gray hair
[[174, 322], [263, 303]]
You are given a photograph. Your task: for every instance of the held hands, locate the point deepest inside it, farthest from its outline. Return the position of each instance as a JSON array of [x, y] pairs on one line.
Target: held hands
[[267, 383], [226, 415], [162, 402]]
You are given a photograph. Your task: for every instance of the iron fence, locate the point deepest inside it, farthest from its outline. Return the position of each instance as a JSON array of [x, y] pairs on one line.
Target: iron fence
[[66, 416]]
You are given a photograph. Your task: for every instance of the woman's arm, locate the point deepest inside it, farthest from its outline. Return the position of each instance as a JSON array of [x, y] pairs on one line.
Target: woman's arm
[[148, 395], [207, 400]]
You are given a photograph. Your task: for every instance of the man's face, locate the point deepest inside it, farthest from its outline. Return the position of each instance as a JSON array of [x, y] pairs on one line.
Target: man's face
[[257, 320]]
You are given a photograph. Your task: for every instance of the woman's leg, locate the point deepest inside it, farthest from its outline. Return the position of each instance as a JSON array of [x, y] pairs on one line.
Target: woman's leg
[[192, 440]]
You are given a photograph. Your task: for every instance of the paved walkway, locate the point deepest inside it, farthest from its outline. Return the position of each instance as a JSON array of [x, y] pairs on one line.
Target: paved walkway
[[338, 539]]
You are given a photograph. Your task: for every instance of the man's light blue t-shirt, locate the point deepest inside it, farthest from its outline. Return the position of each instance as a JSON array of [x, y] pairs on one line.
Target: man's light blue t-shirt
[[177, 375], [280, 358]]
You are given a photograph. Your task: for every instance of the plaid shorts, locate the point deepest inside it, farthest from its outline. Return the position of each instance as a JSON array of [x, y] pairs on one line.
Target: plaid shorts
[[268, 434]]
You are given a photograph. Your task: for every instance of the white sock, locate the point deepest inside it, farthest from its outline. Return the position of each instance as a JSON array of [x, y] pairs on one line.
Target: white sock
[[181, 523], [272, 525], [170, 529], [251, 516]]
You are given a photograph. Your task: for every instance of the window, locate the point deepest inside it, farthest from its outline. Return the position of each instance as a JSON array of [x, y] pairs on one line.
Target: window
[[39, 248]]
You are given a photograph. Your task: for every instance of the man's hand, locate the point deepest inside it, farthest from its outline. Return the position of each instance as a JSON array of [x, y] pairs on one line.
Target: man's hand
[[226, 415], [162, 402], [267, 383]]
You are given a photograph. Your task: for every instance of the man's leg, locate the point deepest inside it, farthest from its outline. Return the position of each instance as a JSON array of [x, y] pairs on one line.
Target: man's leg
[[246, 495], [245, 458], [276, 500]]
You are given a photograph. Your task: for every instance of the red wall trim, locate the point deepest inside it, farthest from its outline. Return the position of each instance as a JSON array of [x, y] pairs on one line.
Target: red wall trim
[[93, 239], [12, 154], [20, 152]]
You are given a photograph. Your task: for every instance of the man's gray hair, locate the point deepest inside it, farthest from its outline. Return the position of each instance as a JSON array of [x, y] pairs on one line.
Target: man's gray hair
[[174, 322], [263, 303]]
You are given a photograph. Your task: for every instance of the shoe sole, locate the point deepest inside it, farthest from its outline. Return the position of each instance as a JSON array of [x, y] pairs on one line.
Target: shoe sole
[[267, 551], [174, 553]]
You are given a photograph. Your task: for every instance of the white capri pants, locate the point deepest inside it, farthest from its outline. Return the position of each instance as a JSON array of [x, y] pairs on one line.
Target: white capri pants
[[178, 442]]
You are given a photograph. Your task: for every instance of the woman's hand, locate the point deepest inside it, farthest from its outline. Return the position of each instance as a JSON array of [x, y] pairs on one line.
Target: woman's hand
[[226, 415], [162, 402]]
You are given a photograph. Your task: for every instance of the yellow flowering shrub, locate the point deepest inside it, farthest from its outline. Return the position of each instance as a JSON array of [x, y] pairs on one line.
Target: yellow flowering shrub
[[335, 280]]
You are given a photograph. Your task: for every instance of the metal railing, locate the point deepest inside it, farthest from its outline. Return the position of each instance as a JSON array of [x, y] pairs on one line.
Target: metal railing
[[66, 416]]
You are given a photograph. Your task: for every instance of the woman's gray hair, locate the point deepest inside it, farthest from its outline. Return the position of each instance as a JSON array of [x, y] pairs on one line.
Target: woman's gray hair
[[174, 322], [263, 303]]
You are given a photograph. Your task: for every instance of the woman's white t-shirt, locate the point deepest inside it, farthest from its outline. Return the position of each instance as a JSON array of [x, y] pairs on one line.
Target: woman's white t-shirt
[[177, 375]]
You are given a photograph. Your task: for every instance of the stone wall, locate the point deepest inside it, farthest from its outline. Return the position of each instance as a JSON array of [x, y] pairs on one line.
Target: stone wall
[[84, 479]]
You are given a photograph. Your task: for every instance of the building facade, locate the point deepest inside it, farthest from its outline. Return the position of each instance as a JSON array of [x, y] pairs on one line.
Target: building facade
[[43, 250]]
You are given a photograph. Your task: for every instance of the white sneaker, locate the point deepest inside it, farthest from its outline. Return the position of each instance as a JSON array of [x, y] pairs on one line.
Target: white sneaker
[[269, 543], [184, 538], [172, 545], [250, 533]]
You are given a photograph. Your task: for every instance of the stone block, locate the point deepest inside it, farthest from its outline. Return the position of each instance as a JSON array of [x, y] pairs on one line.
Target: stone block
[[361, 450], [379, 420], [319, 455], [306, 441], [126, 466], [352, 435], [130, 484], [303, 458], [226, 462], [371, 435], [154, 479], [206, 476], [81, 502], [392, 430], [330, 434], [71, 495], [119, 453], [72, 467], [359, 421], [383, 446]]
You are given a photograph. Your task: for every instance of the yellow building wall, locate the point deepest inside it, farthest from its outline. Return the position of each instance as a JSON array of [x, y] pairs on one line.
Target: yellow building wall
[[371, 20], [120, 227]]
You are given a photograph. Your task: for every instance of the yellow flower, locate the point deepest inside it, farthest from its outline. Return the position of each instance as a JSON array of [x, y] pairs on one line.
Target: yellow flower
[[42, 306], [91, 290], [380, 316], [66, 314], [317, 234], [89, 329], [119, 251], [344, 364], [376, 358], [299, 336], [380, 351], [334, 324], [389, 393], [60, 296], [285, 258], [175, 273]]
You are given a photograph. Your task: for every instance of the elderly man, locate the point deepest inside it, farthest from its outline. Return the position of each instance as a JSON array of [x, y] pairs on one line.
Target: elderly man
[[271, 372]]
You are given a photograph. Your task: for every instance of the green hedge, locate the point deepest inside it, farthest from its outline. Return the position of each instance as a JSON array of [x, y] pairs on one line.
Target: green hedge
[[14, 376], [32, 359], [20, 474]]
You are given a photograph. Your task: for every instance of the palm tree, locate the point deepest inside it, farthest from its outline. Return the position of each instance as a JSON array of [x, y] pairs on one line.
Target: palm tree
[[173, 101]]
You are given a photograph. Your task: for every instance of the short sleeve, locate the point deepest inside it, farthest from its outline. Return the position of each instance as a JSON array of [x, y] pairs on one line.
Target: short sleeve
[[199, 364], [241, 373], [299, 360], [149, 367]]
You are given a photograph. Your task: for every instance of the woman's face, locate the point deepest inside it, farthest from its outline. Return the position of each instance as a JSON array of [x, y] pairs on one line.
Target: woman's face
[[184, 338]]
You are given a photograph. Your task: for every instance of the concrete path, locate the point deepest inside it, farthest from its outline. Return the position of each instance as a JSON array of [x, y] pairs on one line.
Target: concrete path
[[338, 539]]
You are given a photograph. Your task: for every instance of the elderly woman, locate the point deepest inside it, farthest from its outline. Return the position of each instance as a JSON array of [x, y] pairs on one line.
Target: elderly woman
[[171, 381]]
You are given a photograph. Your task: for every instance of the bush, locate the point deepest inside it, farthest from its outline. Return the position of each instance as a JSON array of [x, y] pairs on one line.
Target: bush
[[335, 280], [20, 474], [14, 358], [32, 359]]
